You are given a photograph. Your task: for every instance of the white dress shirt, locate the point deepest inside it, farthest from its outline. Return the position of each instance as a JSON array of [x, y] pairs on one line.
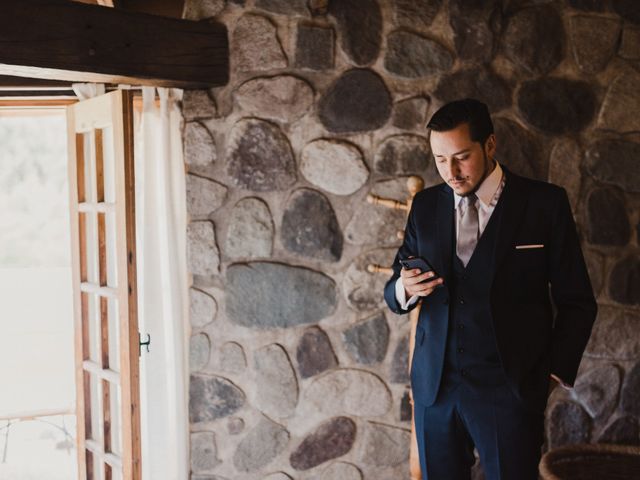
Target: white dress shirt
[[488, 194]]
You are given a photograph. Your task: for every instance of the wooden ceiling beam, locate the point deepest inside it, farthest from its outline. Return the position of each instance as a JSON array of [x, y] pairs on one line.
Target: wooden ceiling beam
[[77, 42]]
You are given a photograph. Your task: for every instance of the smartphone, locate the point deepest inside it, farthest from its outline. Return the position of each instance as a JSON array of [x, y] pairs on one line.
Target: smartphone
[[420, 263]]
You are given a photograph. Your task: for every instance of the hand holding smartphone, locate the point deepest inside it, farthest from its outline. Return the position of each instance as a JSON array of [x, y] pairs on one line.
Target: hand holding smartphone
[[420, 283]]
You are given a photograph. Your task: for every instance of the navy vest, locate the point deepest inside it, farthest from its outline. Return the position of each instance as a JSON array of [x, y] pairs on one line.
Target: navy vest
[[471, 354]]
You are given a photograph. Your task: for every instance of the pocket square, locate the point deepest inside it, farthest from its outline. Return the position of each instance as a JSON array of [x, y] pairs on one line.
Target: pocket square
[[536, 245]]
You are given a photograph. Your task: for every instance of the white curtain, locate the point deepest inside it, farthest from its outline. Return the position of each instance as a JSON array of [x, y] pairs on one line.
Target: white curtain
[[162, 285]]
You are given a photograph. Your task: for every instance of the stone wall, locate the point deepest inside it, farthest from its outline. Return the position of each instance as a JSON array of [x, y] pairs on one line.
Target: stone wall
[[298, 369]]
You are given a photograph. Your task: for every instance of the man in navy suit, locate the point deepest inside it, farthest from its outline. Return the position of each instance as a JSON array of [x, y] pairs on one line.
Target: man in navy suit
[[489, 347]]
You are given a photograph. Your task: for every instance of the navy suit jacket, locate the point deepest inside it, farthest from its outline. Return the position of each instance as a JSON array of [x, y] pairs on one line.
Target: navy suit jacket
[[533, 340]]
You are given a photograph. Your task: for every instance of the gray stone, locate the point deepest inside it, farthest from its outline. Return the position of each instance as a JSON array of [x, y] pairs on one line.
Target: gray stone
[[212, 397], [283, 97], [624, 281], [627, 9], [315, 353], [276, 392], [413, 56], [598, 390], [259, 157], [630, 43], [310, 227], [202, 251], [358, 101], [615, 162], [232, 358], [281, 296], [202, 308], [614, 335], [204, 452], [534, 39], [318, 7], [623, 431], [476, 82], [330, 440], [204, 196], [315, 47], [385, 445], [557, 105], [621, 100], [479, 8], [255, 45], [250, 230], [400, 362], [473, 38], [587, 5], [416, 14], [568, 424], [235, 425], [361, 288], [197, 104], [284, 7], [201, 9], [519, 150], [360, 27], [406, 412], [564, 165], [607, 219], [260, 446], [349, 392], [342, 471], [333, 165], [594, 40], [631, 392], [199, 351], [367, 341], [402, 154], [411, 113], [595, 266], [199, 147], [278, 476]]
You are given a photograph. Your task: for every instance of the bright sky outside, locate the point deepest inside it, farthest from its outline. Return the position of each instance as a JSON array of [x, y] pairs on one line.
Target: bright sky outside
[[36, 318]]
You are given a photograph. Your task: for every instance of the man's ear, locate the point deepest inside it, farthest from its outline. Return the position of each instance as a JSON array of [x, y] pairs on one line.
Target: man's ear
[[490, 146]]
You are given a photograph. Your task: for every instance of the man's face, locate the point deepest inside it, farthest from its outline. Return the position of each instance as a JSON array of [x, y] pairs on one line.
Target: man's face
[[461, 162]]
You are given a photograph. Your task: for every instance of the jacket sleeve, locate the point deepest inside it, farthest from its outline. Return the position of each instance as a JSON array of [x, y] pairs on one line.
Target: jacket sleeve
[[572, 294], [407, 249]]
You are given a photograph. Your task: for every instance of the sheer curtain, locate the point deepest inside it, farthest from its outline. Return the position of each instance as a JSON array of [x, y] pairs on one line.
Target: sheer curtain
[[162, 285]]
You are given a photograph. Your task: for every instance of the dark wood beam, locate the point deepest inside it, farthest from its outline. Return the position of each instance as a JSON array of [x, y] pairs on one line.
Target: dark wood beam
[[71, 41], [166, 8]]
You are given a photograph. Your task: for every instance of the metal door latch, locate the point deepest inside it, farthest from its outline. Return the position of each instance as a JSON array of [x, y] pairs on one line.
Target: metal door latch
[[145, 343]]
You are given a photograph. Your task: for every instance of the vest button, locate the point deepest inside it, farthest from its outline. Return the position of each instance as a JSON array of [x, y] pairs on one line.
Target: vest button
[[461, 350], [461, 301], [464, 277], [461, 326], [463, 373]]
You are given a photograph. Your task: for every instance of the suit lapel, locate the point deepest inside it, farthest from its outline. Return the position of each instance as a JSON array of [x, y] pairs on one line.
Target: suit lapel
[[445, 227], [514, 199]]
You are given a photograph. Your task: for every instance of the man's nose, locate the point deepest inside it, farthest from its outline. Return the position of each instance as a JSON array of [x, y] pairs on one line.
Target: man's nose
[[453, 169]]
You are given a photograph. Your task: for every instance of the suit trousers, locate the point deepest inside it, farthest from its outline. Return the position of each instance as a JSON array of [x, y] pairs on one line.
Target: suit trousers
[[508, 436]]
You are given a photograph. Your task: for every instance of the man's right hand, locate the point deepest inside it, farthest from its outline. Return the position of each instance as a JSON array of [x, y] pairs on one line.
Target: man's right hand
[[411, 281]]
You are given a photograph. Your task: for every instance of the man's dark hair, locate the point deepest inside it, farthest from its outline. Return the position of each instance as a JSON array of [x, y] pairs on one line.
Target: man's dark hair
[[468, 110]]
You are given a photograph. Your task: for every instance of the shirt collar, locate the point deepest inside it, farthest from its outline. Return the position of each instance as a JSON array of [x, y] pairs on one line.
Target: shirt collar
[[487, 188]]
